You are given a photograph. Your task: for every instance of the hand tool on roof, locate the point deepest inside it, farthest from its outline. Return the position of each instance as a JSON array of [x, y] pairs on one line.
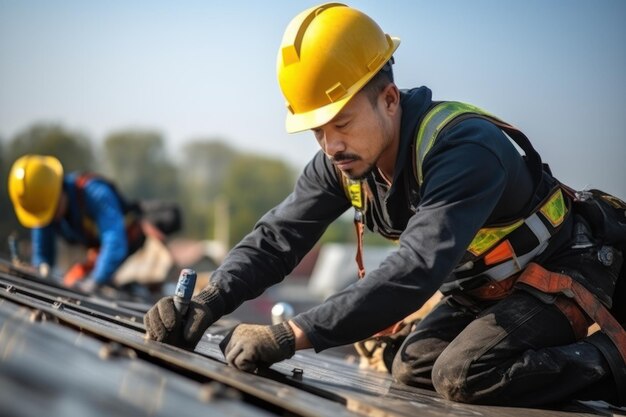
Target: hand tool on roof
[[282, 312], [184, 289]]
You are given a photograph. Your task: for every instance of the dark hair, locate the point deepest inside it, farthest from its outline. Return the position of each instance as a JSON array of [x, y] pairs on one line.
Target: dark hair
[[382, 78]]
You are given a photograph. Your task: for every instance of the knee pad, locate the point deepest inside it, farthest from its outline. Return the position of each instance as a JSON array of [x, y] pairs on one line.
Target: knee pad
[[448, 379], [401, 371]]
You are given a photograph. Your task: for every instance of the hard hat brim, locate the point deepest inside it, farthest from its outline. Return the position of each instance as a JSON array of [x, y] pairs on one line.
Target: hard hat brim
[[309, 120], [33, 220]]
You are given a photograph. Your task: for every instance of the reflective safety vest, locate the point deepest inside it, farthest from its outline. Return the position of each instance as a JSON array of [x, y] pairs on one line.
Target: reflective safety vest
[[497, 251]]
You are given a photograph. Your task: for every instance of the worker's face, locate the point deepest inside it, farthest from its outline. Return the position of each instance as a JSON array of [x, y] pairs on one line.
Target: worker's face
[[362, 134]]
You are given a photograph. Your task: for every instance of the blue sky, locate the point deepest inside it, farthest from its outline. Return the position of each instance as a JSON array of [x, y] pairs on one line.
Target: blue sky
[[197, 69]]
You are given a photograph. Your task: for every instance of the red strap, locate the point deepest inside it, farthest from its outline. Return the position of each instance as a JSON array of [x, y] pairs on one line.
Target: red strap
[[80, 182], [552, 282], [358, 225], [391, 330]]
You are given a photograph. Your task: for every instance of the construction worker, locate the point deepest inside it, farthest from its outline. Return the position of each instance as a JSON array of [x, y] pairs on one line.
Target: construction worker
[[84, 209], [525, 263]]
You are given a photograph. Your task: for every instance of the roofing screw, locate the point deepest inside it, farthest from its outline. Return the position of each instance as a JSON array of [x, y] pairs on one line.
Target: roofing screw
[[38, 315], [57, 305], [113, 349], [297, 373], [214, 390], [10, 289]]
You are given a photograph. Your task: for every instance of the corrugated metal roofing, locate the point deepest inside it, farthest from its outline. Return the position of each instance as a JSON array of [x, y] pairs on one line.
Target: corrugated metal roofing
[[63, 353]]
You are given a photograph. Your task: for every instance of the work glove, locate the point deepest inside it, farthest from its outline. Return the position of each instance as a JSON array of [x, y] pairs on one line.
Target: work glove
[[251, 346], [81, 270], [44, 270], [164, 323], [87, 285]]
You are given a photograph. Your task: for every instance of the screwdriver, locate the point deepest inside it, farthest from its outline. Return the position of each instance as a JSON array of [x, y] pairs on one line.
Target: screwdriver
[[184, 290]]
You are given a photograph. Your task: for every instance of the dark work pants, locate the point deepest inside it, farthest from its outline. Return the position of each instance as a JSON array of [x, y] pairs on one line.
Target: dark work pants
[[520, 351]]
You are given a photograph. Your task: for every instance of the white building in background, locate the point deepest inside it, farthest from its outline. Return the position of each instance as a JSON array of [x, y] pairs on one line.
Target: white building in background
[[336, 268]]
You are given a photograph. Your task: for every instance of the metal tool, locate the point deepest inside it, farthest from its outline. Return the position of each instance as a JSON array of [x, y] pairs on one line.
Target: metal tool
[[184, 289], [282, 312]]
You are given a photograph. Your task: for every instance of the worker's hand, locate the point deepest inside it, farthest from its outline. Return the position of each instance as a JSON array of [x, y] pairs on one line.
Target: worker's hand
[[44, 270], [87, 285], [250, 346], [164, 323], [78, 272]]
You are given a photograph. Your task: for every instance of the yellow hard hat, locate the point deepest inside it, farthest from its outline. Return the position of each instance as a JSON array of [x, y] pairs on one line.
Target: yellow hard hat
[[35, 184], [328, 53]]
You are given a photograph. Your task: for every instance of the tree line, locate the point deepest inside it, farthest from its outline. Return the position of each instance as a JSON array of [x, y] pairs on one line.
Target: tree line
[[212, 181]]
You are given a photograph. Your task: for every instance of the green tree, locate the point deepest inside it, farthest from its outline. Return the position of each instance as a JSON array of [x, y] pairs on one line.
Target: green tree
[[138, 163], [254, 185], [205, 166], [342, 230], [202, 172], [73, 149]]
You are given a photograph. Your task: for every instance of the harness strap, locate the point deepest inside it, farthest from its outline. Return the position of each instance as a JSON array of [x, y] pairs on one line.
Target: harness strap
[[359, 227], [132, 224], [554, 283], [81, 183], [445, 113], [578, 319], [391, 330], [85, 224], [356, 193]]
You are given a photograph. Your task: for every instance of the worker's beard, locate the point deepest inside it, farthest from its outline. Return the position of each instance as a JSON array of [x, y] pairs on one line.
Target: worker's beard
[[356, 176], [352, 173]]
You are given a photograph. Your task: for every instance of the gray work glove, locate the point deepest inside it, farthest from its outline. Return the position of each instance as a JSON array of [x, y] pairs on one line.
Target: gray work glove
[[251, 346], [87, 285], [164, 323]]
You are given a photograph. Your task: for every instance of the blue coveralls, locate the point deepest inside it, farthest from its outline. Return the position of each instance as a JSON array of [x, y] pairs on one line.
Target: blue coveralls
[[102, 206]]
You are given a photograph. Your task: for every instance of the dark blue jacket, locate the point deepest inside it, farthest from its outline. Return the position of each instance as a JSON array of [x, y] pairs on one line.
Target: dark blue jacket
[[473, 176]]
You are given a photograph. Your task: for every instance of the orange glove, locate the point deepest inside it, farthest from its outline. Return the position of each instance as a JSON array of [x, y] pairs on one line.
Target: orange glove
[[79, 271]]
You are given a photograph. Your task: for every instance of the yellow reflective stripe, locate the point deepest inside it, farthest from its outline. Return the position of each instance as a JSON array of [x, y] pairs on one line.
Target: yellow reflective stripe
[[555, 210], [489, 236], [434, 121], [355, 193]]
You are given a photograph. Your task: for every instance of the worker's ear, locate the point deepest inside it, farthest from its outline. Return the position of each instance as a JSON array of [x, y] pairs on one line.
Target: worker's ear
[[391, 98]]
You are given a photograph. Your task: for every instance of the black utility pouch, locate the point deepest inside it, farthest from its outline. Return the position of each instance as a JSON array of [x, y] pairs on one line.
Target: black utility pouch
[[606, 215]]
